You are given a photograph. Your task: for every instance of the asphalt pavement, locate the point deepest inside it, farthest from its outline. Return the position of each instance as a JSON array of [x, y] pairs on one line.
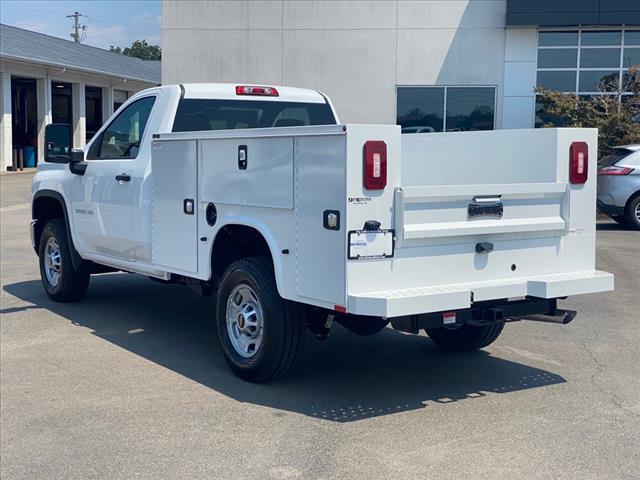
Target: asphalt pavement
[[130, 382]]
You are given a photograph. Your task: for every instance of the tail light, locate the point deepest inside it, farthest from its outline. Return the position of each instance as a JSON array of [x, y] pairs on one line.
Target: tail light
[[615, 170], [261, 91], [375, 165], [579, 163]]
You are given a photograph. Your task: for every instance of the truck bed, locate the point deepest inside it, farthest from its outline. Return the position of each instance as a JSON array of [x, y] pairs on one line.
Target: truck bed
[[542, 244]]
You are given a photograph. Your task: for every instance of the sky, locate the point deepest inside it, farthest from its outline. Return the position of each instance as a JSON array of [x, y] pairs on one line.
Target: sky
[[109, 22]]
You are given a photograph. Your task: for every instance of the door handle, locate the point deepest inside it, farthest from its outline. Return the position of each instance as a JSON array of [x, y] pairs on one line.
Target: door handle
[[123, 177]]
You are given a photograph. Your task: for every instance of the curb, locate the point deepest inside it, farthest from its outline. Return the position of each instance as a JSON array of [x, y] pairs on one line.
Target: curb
[[18, 172]]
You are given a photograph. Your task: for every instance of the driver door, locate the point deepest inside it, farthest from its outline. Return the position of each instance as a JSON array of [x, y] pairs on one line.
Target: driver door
[[103, 205]]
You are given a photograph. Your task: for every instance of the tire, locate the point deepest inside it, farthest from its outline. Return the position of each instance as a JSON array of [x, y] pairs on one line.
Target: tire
[[62, 282], [621, 219], [465, 338], [261, 334], [633, 213]]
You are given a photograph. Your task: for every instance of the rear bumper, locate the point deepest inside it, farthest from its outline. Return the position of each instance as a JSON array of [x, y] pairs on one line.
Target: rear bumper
[[610, 209], [438, 298]]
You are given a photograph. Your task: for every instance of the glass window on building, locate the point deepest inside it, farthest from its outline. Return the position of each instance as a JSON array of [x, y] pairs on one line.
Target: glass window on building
[[119, 97], [586, 62], [445, 109], [93, 110]]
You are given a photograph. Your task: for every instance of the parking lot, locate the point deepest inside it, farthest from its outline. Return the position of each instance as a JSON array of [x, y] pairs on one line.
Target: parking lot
[[130, 382]]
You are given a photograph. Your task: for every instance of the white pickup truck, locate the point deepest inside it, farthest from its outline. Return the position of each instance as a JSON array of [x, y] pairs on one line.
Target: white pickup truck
[[261, 198]]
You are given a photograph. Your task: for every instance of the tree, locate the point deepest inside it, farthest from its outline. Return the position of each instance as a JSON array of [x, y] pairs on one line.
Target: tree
[[140, 49], [616, 116]]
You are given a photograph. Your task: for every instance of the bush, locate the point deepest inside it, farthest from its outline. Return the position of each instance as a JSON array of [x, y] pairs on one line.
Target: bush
[[618, 122]]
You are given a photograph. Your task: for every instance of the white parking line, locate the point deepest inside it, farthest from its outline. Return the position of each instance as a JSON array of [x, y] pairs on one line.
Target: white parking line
[[15, 207]]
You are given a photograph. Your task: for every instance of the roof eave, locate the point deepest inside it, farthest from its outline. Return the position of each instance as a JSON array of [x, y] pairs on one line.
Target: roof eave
[[78, 69]]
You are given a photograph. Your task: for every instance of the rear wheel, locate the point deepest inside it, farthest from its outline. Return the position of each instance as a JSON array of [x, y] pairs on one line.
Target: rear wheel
[[465, 338], [62, 282], [260, 333], [633, 213]]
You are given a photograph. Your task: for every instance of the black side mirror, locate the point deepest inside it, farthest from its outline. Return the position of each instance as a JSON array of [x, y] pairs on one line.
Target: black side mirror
[[57, 141], [77, 164]]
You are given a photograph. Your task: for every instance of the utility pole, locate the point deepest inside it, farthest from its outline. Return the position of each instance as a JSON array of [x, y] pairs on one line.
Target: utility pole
[[77, 28]]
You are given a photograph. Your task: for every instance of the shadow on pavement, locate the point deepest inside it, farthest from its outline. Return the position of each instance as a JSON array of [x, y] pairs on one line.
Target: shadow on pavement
[[612, 226], [343, 379]]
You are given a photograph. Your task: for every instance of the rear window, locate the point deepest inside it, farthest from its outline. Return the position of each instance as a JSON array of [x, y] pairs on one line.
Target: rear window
[[613, 158], [200, 114]]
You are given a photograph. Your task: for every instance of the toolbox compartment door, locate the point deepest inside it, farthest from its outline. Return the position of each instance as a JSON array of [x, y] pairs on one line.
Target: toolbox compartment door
[[174, 227]]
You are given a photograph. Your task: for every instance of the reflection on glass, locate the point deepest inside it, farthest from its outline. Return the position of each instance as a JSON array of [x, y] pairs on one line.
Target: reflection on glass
[[601, 37], [631, 57], [600, 57], [557, 39], [595, 81], [562, 81], [421, 107], [470, 108], [558, 58], [632, 37]]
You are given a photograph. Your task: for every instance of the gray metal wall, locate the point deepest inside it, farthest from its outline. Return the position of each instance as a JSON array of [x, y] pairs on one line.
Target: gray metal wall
[[354, 51]]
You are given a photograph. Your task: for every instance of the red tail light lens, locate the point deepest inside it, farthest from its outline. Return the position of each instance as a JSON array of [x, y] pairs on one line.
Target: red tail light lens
[[579, 163], [615, 170], [375, 165], [262, 91]]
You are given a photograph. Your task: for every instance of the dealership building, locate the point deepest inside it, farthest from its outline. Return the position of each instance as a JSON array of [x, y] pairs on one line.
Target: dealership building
[[437, 65], [45, 79]]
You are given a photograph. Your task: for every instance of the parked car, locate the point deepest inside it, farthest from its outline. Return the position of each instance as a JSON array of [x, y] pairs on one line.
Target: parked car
[[424, 129], [619, 185], [260, 198]]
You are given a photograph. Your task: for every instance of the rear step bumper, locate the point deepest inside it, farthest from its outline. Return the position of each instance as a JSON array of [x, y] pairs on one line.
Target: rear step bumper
[[536, 309], [439, 298]]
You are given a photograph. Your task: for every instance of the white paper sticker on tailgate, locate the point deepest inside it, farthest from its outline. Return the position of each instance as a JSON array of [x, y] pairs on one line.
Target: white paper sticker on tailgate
[[367, 245]]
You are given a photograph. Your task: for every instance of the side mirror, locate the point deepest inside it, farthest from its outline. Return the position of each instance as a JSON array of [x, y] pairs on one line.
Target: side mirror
[[57, 141]]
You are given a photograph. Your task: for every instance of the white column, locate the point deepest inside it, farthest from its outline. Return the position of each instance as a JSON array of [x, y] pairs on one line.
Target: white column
[[107, 103], [43, 99], [79, 114], [6, 142], [521, 50]]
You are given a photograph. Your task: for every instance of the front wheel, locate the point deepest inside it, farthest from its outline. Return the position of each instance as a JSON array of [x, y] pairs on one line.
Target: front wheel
[[260, 333], [465, 338], [62, 282]]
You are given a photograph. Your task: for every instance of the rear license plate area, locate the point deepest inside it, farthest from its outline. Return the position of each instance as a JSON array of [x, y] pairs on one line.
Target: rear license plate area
[[365, 245]]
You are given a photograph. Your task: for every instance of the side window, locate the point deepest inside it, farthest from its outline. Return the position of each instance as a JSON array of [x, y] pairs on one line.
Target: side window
[[121, 139]]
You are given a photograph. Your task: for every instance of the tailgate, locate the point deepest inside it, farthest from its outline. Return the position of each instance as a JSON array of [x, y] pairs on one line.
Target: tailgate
[[458, 211], [481, 216]]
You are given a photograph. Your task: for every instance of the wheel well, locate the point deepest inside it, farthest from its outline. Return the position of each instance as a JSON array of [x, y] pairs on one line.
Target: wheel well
[[44, 209], [234, 242], [631, 199]]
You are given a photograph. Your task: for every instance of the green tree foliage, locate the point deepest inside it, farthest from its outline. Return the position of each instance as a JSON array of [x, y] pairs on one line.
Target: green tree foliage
[[617, 121], [140, 49]]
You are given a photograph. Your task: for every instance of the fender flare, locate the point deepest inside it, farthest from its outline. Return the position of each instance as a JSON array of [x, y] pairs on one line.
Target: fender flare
[[76, 259], [262, 229]]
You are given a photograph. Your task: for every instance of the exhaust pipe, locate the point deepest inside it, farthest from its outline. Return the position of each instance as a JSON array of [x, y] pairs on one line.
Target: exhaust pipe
[[561, 317]]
